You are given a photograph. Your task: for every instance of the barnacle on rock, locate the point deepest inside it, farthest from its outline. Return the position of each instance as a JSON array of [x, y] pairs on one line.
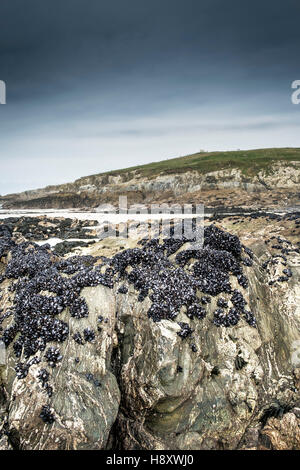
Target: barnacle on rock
[[185, 330], [47, 415], [46, 285], [53, 356], [89, 335]]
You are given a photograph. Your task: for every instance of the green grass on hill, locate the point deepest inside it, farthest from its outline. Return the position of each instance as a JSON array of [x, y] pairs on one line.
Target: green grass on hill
[[249, 161]]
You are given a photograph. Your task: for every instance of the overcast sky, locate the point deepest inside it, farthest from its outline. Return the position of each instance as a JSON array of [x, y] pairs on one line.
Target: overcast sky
[[104, 84]]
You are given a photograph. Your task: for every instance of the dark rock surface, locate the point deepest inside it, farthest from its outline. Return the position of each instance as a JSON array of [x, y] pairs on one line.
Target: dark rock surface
[[43, 228]]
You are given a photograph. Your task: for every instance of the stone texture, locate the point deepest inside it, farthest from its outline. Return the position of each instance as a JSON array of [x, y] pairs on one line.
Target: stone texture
[[210, 404], [279, 182], [84, 412], [282, 434], [156, 393]]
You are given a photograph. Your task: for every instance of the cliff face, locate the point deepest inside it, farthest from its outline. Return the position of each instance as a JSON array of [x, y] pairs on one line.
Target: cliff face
[[220, 398], [161, 362], [189, 179]]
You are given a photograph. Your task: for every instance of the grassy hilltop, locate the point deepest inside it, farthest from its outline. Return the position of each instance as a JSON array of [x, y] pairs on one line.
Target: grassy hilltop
[[249, 161]]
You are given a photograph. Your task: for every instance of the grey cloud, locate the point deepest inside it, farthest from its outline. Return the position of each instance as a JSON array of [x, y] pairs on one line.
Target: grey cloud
[[129, 82]]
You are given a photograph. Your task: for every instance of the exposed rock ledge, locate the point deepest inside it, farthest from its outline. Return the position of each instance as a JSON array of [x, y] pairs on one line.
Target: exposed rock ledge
[[139, 385], [282, 177]]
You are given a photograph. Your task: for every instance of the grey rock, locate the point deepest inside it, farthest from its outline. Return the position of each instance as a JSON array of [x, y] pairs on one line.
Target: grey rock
[[155, 392]]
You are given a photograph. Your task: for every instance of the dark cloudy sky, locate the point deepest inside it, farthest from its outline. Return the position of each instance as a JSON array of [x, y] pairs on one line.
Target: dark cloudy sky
[[94, 85]]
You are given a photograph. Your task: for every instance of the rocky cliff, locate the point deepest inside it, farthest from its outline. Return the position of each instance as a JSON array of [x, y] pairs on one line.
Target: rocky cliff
[[258, 178], [153, 346]]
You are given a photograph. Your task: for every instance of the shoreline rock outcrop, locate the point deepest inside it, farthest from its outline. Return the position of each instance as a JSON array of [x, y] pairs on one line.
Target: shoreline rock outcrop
[[156, 347]]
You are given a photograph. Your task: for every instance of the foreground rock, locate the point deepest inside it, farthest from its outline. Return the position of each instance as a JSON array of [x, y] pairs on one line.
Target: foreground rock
[[159, 361], [219, 397]]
